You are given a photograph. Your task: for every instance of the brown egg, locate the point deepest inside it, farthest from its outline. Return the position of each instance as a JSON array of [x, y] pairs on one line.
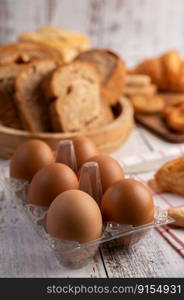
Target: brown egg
[[128, 201], [29, 158], [74, 215], [49, 182], [84, 149], [110, 170]]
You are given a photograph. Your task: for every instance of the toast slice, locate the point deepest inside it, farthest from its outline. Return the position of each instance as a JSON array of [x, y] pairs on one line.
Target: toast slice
[[68, 43], [25, 52], [30, 99], [112, 69], [8, 110], [78, 106]]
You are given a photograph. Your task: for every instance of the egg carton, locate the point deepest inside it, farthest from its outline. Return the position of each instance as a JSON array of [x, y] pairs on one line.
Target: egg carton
[[71, 253]]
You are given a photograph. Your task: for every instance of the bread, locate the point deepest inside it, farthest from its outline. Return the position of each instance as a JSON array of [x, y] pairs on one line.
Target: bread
[[170, 177], [68, 43], [30, 100], [78, 106], [25, 52], [112, 69], [8, 110], [166, 71], [147, 105], [137, 80]]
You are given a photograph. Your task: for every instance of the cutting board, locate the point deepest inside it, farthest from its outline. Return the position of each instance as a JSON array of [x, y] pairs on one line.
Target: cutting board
[[157, 124]]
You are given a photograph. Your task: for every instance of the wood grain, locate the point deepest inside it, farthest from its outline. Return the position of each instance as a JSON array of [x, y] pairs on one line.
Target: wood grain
[[135, 29]]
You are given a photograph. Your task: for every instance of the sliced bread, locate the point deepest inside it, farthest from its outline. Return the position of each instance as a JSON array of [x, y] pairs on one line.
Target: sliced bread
[[78, 106], [25, 52], [8, 110], [30, 99], [112, 69]]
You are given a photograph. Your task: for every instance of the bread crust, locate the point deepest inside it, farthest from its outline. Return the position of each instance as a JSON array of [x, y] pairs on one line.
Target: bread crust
[[8, 111], [170, 177], [42, 123], [99, 118], [26, 52], [112, 87]]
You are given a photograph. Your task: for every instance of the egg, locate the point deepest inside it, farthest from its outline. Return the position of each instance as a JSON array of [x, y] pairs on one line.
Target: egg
[[110, 170], [84, 149], [74, 215], [49, 182], [29, 158], [128, 201]]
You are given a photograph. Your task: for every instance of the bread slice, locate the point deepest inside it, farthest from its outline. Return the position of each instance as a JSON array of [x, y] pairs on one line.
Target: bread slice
[[8, 110], [30, 98], [78, 106], [68, 43], [112, 69], [25, 52]]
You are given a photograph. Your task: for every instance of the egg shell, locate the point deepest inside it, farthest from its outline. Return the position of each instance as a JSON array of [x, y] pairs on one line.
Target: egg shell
[[84, 149], [74, 215], [49, 182], [128, 202], [110, 170], [29, 158]]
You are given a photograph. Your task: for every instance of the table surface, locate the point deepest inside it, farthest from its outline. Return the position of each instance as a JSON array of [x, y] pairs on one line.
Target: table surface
[[153, 257]]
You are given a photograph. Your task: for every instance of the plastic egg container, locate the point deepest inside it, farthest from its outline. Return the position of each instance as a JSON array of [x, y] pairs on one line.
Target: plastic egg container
[[73, 254]]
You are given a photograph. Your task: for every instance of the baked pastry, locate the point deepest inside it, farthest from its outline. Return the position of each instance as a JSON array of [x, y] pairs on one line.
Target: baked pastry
[[112, 69], [147, 90], [175, 118], [137, 80], [178, 215], [166, 71], [147, 104], [25, 52], [173, 114], [170, 177], [77, 105], [8, 110], [30, 100], [68, 43]]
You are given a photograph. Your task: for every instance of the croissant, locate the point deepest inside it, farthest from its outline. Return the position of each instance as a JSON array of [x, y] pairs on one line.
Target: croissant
[[166, 71], [170, 177]]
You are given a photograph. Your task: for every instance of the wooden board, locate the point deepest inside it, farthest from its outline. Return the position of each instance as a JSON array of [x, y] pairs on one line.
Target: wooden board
[[107, 138], [157, 125]]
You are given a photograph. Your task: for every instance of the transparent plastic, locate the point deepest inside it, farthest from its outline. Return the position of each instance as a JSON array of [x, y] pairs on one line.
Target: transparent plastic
[[65, 154], [90, 182], [72, 253]]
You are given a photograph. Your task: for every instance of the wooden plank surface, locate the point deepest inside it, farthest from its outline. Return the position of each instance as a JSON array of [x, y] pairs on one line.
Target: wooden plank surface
[[153, 257], [136, 29]]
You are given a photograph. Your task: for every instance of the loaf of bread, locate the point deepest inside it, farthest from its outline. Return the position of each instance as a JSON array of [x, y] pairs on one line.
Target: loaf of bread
[[8, 110], [78, 106], [30, 100], [68, 43], [25, 52], [112, 69]]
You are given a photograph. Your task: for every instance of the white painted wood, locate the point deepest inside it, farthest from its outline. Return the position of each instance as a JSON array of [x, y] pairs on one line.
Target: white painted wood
[[153, 257], [134, 28]]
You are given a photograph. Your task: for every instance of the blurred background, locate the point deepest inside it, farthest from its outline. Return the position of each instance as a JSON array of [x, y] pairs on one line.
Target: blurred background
[[134, 28]]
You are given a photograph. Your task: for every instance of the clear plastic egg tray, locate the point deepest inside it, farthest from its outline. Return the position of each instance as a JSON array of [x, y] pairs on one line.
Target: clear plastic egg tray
[[71, 253]]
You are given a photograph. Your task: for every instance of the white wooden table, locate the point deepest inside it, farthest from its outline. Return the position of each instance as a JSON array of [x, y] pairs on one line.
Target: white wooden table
[[135, 29], [153, 257]]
